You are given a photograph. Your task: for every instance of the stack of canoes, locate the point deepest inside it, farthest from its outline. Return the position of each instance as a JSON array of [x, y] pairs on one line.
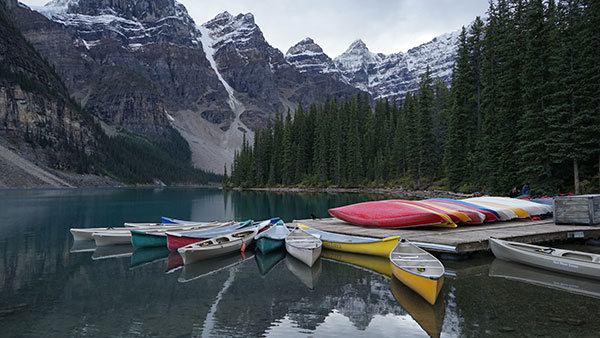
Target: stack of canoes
[[438, 212], [143, 238]]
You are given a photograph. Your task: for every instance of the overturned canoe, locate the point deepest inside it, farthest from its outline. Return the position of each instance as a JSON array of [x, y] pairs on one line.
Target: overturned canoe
[[391, 214], [354, 244], [490, 215], [531, 208], [417, 269], [568, 261], [475, 216]]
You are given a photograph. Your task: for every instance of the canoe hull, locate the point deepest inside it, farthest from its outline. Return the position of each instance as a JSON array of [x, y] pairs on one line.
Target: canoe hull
[[428, 288], [266, 245], [527, 254], [215, 247], [116, 238], [306, 256], [381, 248], [140, 239]]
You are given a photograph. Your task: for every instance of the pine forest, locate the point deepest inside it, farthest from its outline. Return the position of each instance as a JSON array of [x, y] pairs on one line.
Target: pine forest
[[523, 107]]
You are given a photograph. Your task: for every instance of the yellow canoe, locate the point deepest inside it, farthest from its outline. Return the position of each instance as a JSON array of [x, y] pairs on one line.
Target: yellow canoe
[[354, 244], [376, 264], [429, 317], [417, 269]]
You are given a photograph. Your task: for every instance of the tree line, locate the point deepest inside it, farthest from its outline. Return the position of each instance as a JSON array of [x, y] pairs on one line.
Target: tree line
[[524, 107]]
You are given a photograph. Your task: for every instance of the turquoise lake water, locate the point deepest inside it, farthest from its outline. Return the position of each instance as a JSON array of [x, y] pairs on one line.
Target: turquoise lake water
[[51, 286]]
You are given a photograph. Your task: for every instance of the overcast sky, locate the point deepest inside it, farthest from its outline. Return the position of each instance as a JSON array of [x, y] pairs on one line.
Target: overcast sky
[[386, 26]]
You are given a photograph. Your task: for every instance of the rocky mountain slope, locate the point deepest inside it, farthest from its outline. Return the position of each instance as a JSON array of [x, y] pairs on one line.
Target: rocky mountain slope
[[376, 73], [145, 65]]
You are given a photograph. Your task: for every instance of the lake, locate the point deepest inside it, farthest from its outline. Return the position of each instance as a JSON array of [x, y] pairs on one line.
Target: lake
[[51, 286]]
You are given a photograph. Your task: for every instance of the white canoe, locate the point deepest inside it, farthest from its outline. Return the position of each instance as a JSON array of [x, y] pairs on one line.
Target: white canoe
[[303, 246], [505, 212], [112, 237], [85, 234], [217, 246], [532, 208], [568, 261]]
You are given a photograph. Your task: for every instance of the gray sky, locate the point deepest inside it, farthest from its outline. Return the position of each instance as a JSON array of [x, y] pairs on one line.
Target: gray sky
[[386, 26]]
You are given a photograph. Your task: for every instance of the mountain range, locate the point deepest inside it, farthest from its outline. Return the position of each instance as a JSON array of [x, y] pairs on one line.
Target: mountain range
[[144, 66]]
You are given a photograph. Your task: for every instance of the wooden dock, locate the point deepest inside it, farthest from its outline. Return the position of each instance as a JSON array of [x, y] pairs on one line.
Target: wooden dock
[[466, 238]]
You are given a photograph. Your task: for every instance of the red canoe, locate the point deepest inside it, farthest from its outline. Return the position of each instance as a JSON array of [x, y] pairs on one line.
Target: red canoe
[[390, 214]]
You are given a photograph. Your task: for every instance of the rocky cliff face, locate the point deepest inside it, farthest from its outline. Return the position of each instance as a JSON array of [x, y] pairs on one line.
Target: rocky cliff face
[[142, 65], [379, 74], [38, 119]]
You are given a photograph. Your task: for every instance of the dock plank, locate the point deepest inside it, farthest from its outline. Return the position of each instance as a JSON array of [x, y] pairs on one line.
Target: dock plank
[[466, 238]]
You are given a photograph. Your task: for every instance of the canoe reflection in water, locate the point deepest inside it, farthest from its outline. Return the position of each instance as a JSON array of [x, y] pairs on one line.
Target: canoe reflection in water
[[546, 278], [309, 276], [144, 256], [211, 266], [429, 317], [380, 265], [112, 251], [266, 262]]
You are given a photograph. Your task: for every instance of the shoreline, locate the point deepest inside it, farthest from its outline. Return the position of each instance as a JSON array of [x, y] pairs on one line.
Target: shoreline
[[394, 192]]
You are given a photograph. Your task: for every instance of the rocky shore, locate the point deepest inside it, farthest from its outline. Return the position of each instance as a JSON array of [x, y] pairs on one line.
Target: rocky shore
[[397, 192]]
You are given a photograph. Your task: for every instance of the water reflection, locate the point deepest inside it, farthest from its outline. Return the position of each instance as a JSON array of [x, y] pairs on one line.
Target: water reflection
[[45, 290]]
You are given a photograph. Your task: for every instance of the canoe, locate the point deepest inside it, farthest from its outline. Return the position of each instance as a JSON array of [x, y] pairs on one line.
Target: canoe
[[475, 216], [272, 238], [490, 215], [568, 261], [303, 246], [377, 264], [390, 214], [209, 267], [545, 278], [178, 239], [510, 211], [531, 208], [143, 238], [217, 246], [429, 317], [455, 216], [354, 244], [308, 275], [112, 237], [417, 269], [85, 234], [266, 262]]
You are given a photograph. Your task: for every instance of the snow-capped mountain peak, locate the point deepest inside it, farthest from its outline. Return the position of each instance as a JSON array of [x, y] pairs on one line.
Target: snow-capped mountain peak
[[307, 56]]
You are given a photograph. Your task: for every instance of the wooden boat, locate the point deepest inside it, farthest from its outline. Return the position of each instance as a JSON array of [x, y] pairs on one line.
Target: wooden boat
[[209, 267], [303, 246], [417, 269], [508, 211], [531, 208], [266, 262], [377, 264], [490, 215], [475, 216], [355, 244], [217, 246], [143, 256], [176, 240], [568, 261], [545, 278], [273, 238], [390, 214], [142, 238], [429, 317], [308, 275]]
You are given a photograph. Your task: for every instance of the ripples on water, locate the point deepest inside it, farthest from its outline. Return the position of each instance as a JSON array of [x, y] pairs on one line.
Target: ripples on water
[[52, 287]]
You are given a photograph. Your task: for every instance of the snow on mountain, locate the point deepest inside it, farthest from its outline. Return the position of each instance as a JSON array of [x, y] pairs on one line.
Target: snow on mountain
[[135, 23], [307, 56], [379, 74]]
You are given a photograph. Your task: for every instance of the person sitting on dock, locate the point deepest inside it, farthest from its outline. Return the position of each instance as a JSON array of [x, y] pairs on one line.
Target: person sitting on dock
[[514, 192], [526, 190]]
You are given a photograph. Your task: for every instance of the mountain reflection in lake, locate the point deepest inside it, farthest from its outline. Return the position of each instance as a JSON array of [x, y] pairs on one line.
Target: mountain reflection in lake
[[53, 287]]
